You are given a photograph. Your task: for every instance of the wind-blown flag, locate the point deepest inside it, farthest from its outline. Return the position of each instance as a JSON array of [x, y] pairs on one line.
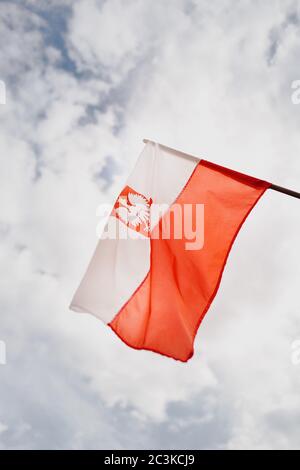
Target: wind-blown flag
[[154, 285]]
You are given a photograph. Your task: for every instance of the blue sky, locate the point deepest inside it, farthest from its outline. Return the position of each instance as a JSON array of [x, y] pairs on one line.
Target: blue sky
[[86, 81]]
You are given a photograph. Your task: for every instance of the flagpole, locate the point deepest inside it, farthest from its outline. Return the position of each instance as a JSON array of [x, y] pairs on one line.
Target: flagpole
[[287, 191], [275, 187]]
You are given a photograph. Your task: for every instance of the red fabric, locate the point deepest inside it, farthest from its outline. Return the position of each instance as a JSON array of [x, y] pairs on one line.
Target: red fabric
[[164, 313]]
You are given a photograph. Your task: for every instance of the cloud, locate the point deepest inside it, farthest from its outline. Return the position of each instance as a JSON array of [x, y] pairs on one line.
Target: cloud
[[86, 81]]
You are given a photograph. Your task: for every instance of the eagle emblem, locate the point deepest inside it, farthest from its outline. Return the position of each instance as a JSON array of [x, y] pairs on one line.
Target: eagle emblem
[[133, 209]]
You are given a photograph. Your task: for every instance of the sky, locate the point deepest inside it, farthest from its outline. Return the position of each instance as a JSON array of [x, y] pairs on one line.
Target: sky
[[86, 81]]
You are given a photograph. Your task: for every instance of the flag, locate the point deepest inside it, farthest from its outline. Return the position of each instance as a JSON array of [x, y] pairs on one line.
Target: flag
[[159, 262]]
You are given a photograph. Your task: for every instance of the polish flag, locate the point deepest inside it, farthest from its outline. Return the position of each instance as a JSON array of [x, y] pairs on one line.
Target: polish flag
[[159, 262]]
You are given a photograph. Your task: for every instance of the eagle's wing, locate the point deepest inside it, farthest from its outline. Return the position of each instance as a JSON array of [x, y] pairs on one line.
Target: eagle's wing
[[137, 200]]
